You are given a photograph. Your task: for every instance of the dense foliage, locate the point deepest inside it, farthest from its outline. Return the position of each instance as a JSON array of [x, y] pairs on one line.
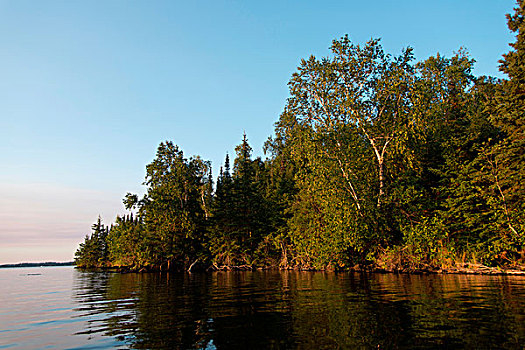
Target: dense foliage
[[376, 159]]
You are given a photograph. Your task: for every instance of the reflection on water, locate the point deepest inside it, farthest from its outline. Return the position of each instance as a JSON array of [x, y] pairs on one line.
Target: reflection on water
[[279, 310], [303, 310]]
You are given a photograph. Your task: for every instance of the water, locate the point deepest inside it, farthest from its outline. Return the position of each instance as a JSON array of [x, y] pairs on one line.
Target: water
[[63, 308]]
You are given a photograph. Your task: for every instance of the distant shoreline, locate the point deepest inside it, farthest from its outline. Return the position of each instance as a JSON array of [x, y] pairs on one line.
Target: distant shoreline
[[38, 264]]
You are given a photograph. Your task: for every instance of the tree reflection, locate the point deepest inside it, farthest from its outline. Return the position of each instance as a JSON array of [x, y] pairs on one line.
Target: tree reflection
[[291, 309]]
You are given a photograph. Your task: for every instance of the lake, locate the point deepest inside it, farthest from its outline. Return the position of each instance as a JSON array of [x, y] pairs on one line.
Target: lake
[[64, 308]]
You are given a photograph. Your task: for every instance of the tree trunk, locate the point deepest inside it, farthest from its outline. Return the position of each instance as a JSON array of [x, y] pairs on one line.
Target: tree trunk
[[193, 264], [381, 182]]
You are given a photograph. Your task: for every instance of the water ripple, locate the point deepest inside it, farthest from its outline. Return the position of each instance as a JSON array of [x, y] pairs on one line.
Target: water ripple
[[70, 309]]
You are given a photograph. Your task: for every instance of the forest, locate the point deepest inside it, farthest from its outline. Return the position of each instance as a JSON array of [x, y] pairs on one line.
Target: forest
[[377, 161]]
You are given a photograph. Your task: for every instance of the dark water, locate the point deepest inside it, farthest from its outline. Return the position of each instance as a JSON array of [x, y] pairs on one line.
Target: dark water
[[63, 308]]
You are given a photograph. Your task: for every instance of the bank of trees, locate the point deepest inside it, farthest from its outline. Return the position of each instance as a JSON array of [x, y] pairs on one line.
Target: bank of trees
[[376, 159]]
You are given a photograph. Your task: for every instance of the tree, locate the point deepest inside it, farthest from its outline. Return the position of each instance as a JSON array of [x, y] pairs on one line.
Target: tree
[[221, 240], [93, 251], [509, 116], [280, 192], [349, 124], [363, 93], [247, 197], [126, 242], [174, 207], [504, 161], [239, 220]]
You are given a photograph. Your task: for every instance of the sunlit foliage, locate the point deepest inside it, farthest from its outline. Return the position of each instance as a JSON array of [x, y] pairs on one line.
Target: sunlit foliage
[[376, 159]]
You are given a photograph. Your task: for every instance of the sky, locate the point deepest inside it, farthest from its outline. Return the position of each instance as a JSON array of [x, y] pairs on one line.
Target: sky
[[88, 90]]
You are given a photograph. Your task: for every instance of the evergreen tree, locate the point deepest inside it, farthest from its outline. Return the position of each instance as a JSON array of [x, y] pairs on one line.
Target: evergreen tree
[[93, 251], [126, 242], [504, 161], [483, 173], [221, 241], [509, 116], [239, 225]]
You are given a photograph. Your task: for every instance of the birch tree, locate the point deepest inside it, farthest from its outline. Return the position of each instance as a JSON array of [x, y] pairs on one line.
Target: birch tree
[[360, 94]]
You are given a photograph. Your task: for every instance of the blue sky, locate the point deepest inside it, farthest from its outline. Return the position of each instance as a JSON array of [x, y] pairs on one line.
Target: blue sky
[[88, 89]]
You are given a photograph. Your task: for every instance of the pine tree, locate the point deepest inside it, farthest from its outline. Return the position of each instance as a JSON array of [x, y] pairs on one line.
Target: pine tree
[[248, 201], [222, 244], [93, 251]]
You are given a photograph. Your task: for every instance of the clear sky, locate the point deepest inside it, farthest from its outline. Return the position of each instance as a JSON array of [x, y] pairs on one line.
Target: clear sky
[[88, 89]]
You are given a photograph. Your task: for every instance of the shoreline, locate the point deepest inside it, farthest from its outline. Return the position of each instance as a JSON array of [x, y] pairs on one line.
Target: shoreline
[[40, 264], [466, 269]]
